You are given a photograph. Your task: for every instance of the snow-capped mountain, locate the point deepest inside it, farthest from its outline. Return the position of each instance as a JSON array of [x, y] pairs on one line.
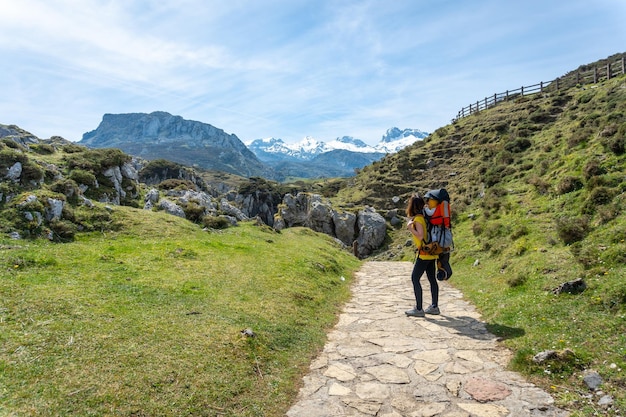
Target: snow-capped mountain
[[395, 139], [273, 149]]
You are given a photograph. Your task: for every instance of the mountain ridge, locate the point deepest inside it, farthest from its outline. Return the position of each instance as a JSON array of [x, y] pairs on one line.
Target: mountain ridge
[[392, 141], [161, 135]]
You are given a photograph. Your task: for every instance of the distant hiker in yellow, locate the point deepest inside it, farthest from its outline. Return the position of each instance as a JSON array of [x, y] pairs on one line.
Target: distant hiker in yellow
[[424, 262]]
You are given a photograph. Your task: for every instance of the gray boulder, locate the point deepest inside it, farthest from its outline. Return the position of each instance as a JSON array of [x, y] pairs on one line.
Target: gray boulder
[[571, 287], [258, 204], [171, 208], [115, 175], [14, 172], [372, 232], [151, 198], [201, 198], [345, 227], [320, 216], [294, 210], [231, 210], [54, 209]]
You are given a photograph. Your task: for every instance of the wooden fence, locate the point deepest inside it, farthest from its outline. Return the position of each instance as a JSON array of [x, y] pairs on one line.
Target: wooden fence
[[592, 76]]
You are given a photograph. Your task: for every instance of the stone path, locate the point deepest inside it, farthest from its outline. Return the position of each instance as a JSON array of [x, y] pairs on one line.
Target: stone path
[[379, 362]]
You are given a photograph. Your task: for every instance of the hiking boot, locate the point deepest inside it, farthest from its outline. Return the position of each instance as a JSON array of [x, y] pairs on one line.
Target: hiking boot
[[432, 310], [442, 275], [415, 313]]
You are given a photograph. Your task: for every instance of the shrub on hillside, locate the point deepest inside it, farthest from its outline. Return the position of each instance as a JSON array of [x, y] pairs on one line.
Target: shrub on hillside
[[71, 148], [9, 156], [193, 211], [68, 188], [478, 228], [591, 119], [572, 229], [517, 280], [495, 229], [176, 184], [519, 231], [599, 196], [160, 169], [94, 218], [541, 185], [96, 160], [569, 184], [593, 168], [616, 144], [540, 116], [32, 173], [62, 231], [213, 222], [579, 136], [80, 176], [586, 255], [42, 148]]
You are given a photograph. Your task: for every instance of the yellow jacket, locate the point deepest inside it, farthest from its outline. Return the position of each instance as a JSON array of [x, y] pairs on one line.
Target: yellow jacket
[[417, 242]]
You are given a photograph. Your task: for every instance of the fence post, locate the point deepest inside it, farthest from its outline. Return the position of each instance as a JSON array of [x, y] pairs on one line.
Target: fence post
[[557, 83], [541, 86], [522, 91], [577, 77], [608, 71], [595, 75], [507, 95], [623, 65]]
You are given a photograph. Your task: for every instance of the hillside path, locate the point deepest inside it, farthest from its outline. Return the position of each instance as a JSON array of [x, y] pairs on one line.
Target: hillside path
[[379, 362]]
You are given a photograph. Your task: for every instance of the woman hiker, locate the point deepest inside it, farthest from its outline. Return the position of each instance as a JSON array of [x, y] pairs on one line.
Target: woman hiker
[[423, 262]]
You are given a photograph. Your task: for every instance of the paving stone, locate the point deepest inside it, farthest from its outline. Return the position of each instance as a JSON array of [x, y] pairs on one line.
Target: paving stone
[[339, 390], [389, 374], [436, 356], [484, 410], [373, 391], [340, 371], [484, 390], [358, 351], [424, 368]]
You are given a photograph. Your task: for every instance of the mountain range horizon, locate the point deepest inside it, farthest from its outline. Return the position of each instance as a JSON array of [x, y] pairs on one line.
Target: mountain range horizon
[[161, 135]]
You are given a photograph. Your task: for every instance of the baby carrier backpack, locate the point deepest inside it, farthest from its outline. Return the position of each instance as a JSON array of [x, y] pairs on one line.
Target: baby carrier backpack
[[438, 219]]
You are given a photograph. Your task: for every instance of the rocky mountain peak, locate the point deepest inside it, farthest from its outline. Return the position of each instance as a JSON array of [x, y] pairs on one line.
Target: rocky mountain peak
[[162, 135]]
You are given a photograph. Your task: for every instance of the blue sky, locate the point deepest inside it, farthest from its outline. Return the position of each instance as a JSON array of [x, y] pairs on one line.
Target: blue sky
[[287, 68]]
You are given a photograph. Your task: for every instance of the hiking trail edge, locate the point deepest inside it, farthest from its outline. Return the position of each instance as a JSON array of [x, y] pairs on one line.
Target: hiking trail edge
[[379, 362]]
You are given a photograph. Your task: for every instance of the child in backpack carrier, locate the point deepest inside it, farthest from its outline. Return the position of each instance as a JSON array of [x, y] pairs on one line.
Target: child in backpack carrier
[[437, 211]]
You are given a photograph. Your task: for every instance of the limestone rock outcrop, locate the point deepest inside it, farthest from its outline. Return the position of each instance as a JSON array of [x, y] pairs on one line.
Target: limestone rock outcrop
[[365, 230]]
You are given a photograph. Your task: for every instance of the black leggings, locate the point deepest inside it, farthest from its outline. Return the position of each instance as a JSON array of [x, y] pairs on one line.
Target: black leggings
[[428, 266]]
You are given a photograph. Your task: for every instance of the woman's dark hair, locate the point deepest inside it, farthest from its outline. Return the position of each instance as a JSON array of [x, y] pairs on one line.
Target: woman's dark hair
[[415, 206]]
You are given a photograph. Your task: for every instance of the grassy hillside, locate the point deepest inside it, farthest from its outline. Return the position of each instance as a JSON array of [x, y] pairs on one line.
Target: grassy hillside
[[538, 200], [147, 320], [141, 313]]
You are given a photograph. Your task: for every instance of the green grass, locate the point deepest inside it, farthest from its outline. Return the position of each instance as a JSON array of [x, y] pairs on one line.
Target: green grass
[[148, 321], [512, 287]]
